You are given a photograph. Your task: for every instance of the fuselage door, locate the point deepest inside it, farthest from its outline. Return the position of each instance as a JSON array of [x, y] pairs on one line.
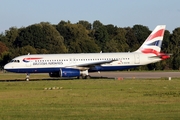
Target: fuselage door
[[136, 59]]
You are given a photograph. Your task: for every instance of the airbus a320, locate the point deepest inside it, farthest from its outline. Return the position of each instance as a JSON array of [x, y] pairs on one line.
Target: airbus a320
[[79, 65]]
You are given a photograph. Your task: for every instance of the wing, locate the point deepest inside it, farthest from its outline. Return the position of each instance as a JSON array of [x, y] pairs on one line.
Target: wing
[[95, 63], [86, 66]]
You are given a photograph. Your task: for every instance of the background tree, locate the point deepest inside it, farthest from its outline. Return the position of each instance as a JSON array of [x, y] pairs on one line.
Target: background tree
[[4, 58], [27, 50], [112, 46], [4, 55], [3, 47], [111, 30], [101, 37], [10, 36], [121, 41], [97, 24], [141, 32], [131, 39], [64, 31], [175, 42], [166, 48], [77, 39], [41, 36], [86, 24]]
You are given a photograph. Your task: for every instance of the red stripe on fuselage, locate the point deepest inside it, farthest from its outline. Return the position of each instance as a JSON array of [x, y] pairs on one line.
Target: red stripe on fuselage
[[32, 58]]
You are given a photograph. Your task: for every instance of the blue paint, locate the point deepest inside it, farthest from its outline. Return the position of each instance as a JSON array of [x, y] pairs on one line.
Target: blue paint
[[48, 70]]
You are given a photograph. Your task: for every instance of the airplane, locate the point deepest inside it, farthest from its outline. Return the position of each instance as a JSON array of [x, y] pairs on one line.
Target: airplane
[[80, 64]]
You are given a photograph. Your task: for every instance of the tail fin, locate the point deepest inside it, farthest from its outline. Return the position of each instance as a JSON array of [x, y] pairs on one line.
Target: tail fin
[[153, 43]]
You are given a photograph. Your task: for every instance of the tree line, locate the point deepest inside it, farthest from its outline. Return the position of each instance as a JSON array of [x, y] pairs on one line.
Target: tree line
[[84, 37]]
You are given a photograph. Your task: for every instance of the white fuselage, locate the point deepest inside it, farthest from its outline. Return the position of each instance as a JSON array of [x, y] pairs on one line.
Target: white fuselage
[[45, 63]]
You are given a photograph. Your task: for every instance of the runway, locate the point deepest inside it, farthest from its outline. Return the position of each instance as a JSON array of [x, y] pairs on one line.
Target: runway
[[95, 75], [129, 74]]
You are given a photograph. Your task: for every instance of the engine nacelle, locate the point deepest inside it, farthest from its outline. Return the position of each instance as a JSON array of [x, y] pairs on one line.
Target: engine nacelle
[[55, 74], [66, 72]]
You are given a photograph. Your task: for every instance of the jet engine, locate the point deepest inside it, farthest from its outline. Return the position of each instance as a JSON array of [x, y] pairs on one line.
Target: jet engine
[[65, 72]]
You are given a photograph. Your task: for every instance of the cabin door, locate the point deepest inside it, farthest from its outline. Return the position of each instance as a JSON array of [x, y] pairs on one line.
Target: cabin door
[[136, 59]]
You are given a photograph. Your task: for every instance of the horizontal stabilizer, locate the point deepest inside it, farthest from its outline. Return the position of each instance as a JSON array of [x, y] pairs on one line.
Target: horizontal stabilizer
[[162, 56]]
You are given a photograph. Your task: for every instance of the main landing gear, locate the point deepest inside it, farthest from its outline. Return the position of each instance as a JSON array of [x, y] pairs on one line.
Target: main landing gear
[[84, 75]]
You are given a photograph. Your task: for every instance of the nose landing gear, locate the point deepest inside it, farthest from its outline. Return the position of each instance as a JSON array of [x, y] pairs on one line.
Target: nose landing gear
[[27, 77]]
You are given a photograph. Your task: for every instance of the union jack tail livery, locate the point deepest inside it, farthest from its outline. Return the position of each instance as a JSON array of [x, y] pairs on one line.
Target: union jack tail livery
[[153, 43]]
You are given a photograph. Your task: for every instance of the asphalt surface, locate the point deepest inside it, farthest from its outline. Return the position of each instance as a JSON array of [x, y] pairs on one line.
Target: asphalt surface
[[120, 75], [127, 74]]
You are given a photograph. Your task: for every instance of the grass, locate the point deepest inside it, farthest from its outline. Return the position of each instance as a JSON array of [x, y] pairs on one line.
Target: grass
[[90, 99], [21, 76]]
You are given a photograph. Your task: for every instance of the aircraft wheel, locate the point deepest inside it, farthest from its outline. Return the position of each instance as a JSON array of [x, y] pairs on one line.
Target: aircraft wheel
[[87, 77], [84, 77], [80, 77]]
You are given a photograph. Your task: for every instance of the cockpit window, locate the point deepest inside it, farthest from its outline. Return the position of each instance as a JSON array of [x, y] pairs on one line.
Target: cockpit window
[[16, 61]]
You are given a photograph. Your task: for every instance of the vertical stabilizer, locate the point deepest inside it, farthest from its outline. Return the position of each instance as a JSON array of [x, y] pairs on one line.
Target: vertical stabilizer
[[153, 43]]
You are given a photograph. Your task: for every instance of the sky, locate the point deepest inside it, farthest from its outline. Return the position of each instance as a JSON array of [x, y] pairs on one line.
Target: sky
[[121, 13]]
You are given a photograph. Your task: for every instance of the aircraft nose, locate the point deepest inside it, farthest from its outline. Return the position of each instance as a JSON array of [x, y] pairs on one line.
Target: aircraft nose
[[9, 67], [6, 67]]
